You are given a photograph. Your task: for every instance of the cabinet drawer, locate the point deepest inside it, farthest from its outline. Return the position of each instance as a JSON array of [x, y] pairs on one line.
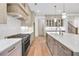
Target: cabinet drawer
[[11, 51], [14, 50]]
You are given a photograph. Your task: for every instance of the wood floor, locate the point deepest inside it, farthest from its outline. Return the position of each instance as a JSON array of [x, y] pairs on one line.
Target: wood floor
[[39, 48]]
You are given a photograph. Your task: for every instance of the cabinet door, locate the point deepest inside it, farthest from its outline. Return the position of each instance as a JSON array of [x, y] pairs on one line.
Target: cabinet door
[[3, 13], [50, 43]]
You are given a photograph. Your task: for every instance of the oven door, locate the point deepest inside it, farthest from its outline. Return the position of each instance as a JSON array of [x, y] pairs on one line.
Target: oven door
[[25, 44]]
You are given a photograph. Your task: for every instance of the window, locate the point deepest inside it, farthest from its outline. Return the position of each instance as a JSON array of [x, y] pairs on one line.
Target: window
[[51, 23]]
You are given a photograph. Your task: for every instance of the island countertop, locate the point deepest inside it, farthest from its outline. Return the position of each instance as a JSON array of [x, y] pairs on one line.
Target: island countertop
[[71, 41], [6, 43]]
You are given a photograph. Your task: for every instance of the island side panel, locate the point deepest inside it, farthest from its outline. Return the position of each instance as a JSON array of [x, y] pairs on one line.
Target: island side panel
[[56, 48]]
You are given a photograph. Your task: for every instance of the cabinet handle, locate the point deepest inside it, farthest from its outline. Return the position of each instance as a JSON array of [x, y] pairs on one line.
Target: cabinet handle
[[11, 49]]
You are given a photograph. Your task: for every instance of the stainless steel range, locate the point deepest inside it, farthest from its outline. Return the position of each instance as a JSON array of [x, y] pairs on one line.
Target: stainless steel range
[[25, 41]]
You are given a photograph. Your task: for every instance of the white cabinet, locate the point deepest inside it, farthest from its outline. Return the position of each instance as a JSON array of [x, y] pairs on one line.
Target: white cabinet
[[3, 13], [14, 50]]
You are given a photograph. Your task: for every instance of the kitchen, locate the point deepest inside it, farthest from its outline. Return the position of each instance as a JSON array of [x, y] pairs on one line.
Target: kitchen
[[15, 25], [24, 27]]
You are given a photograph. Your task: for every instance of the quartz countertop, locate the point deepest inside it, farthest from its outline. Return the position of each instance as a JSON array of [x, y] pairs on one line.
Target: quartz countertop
[[71, 41], [6, 43]]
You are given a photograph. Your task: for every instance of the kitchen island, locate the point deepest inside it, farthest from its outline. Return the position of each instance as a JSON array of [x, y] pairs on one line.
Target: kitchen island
[[63, 45], [10, 47]]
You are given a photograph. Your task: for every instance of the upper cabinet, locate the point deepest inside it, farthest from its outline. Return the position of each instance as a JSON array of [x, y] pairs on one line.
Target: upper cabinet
[[3, 13]]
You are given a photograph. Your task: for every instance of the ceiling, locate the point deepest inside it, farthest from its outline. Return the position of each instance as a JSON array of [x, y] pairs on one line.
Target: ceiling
[[49, 9]]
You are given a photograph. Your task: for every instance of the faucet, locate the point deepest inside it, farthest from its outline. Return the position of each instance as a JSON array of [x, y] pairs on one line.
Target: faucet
[[58, 29]]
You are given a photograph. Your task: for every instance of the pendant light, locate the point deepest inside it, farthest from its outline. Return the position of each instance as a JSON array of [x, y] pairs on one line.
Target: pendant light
[[64, 12], [55, 19]]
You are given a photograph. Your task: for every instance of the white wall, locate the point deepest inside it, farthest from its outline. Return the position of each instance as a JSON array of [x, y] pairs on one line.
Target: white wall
[[36, 26], [76, 23], [12, 27], [74, 20]]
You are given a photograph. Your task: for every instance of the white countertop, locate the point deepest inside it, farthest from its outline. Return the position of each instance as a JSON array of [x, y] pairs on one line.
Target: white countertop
[[6, 43], [71, 41]]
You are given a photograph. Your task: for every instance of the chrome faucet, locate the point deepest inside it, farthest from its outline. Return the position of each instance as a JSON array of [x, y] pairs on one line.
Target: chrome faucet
[[60, 31]]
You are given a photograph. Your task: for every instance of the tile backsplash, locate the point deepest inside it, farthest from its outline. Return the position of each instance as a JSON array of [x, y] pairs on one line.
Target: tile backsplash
[[12, 27]]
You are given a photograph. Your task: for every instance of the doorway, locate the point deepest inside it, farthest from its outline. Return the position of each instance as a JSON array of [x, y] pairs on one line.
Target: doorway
[[41, 26]]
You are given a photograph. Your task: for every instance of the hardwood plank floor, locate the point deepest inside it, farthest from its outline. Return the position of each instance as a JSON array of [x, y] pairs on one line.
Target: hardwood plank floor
[[39, 48]]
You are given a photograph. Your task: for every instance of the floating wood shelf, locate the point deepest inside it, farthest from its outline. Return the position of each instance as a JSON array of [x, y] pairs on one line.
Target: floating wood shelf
[[17, 10]]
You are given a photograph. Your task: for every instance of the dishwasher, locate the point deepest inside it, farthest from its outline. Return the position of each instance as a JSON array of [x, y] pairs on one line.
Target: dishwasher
[[25, 41]]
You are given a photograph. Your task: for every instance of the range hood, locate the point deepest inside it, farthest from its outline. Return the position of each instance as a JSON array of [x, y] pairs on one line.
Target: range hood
[[16, 15]]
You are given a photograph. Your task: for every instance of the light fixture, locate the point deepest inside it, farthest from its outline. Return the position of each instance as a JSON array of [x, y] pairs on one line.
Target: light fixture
[[64, 12], [64, 15], [55, 19]]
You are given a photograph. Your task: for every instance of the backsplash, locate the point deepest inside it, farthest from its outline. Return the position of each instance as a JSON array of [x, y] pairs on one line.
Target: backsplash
[[26, 29], [12, 27]]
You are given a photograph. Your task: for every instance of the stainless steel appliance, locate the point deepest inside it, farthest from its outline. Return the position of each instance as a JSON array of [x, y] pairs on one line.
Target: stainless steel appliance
[[25, 41]]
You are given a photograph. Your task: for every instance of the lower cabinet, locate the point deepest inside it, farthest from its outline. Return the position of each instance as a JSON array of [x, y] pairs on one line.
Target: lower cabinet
[[62, 50], [51, 44], [14, 50], [56, 48]]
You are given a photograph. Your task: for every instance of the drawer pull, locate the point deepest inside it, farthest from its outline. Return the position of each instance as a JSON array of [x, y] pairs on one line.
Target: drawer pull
[[11, 49]]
